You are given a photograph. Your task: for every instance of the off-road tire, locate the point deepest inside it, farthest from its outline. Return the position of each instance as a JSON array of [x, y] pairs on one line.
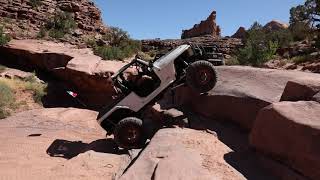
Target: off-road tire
[[129, 128], [201, 76]]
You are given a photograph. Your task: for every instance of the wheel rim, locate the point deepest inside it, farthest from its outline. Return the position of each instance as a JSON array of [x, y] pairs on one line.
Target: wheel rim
[[131, 135], [204, 76]]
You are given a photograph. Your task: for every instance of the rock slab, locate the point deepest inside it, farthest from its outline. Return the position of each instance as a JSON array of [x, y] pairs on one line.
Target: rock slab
[[182, 154], [289, 132]]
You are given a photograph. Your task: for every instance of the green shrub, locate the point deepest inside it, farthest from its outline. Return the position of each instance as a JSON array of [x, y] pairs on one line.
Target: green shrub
[[300, 31], [260, 46], [232, 61], [303, 59], [35, 3], [4, 39], [6, 100], [38, 89], [42, 33], [58, 26], [120, 45], [2, 68]]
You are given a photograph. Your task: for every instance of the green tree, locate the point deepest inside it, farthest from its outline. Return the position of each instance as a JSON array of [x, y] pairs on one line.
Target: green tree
[[4, 38], [259, 47]]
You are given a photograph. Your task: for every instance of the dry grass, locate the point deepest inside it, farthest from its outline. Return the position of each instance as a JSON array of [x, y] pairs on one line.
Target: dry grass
[[15, 93]]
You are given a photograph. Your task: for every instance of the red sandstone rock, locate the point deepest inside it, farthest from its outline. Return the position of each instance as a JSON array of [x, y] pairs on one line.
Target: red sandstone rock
[[241, 33], [289, 132], [21, 20], [241, 92], [275, 25], [301, 89], [207, 27]]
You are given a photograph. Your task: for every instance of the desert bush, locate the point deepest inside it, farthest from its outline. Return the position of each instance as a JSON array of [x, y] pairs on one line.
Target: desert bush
[[4, 39], [303, 58], [35, 3], [39, 91], [2, 68], [6, 99], [232, 61], [301, 31], [259, 46], [120, 45], [58, 26], [42, 33], [283, 37]]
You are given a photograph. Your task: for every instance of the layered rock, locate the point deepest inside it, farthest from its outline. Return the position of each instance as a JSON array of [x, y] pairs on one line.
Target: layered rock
[[24, 18], [207, 27], [50, 143], [78, 69], [275, 25], [240, 94], [301, 90], [287, 131], [227, 46], [182, 154], [241, 33]]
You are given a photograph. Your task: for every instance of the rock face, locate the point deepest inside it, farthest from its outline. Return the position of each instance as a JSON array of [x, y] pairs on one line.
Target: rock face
[[79, 69], [275, 25], [287, 131], [226, 46], [240, 94], [207, 27], [316, 97], [182, 154], [57, 144], [301, 90], [24, 18], [241, 33]]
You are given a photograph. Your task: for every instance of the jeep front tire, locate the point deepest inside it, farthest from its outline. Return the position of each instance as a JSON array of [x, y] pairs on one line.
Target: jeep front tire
[[201, 76], [129, 133]]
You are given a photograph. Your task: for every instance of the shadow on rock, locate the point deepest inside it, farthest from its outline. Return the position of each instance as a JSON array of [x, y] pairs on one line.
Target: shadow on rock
[[247, 164], [70, 149]]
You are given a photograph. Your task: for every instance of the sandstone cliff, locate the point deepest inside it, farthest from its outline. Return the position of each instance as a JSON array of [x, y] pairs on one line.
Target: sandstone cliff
[[23, 19], [207, 27]]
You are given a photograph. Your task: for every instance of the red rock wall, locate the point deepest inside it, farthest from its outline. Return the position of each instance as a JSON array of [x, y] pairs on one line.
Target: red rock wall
[[22, 19], [207, 27]]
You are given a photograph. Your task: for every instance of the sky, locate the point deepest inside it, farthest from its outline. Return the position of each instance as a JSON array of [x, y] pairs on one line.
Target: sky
[[165, 19]]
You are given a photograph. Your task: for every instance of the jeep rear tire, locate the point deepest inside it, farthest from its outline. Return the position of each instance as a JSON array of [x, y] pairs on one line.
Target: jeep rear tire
[[129, 133], [201, 76]]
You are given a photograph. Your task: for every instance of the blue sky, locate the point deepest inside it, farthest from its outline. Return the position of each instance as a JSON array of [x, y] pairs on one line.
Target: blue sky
[[146, 19]]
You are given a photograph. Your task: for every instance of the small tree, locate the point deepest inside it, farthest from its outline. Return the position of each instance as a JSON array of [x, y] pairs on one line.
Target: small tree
[[62, 23], [259, 47], [4, 39]]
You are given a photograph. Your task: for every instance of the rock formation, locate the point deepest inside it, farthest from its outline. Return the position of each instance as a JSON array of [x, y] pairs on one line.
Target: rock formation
[[79, 69], [275, 25], [227, 46], [241, 33], [207, 27], [58, 143], [288, 131], [24, 18], [239, 98]]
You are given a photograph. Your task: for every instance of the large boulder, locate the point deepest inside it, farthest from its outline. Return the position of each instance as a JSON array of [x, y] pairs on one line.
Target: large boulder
[[301, 89], [241, 33], [57, 144], [240, 94], [182, 154], [289, 132], [276, 25], [316, 97], [206, 27], [79, 69]]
